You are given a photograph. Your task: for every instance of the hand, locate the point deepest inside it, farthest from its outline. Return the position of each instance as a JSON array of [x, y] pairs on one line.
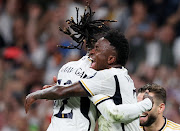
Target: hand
[[146, 95], [55, 81], [29, 101]]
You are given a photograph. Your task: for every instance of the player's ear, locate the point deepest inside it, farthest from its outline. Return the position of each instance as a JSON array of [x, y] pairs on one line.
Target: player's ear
[[111, 59], [161, 108]]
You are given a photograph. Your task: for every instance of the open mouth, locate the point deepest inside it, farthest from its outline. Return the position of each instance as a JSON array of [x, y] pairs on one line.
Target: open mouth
[[91, 59], [143, 115], [93, 63]]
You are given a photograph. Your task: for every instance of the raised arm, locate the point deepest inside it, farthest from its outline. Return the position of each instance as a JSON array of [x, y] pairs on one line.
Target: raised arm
[[83, 88], [54, 93]]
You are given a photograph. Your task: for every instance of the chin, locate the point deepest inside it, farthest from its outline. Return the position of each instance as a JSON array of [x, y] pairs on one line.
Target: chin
[[143, 122], [93, 68], [148, 120]]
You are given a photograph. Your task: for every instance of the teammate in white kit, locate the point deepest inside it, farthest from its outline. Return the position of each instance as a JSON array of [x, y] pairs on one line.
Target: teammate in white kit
[[78, 113], [154, 119], [113, 82], [74, 113]]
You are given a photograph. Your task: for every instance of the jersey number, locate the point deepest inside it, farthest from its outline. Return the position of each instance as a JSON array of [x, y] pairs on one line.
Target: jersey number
[[65, 101]]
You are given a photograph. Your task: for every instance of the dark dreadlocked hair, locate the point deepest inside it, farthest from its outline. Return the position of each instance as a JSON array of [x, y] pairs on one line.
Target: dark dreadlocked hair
[[121, 45], [85, 30]]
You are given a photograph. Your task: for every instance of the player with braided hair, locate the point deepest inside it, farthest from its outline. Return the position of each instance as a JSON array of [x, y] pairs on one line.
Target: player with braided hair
[[77, 113], [72, 108]]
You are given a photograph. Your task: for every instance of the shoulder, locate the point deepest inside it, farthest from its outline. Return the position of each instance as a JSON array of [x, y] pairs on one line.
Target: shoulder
[[68, 66], [120, 70], [110, 73], [104, 75], [172, 125], [141, 128]]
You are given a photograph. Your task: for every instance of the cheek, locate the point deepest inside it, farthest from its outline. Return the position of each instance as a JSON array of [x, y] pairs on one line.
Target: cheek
[[101, 59], [154, 111], [101, 62]]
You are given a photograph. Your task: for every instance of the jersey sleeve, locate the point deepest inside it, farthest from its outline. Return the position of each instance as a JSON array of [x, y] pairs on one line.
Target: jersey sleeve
[[123, 113], [99, 84]]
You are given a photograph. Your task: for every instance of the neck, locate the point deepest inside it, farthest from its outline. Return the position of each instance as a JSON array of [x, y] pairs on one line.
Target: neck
[[115, 66], [157, 125]]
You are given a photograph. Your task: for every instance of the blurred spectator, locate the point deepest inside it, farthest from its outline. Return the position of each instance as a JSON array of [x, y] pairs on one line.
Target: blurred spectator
[[138, 31], [114, 10], [19, 34], [176, 49], [29, 57], [166, 38], [10, 11]]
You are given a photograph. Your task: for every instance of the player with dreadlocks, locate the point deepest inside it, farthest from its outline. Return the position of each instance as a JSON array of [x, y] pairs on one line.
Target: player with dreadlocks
[[77, 113]]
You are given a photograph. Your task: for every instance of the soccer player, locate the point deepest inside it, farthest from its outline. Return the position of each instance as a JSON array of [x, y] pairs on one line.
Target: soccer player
[[154, 119], [77, 113], [109, 56]]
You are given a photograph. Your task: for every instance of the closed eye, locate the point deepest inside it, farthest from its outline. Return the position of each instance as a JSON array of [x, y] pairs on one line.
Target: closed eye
[[96, 48]]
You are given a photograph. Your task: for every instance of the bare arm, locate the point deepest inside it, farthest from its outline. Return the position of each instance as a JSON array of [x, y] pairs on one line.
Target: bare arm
[[54, 93]]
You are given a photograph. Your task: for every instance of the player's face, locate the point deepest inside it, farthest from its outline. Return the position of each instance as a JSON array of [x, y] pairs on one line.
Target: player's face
[[100, 54], [148, 118]]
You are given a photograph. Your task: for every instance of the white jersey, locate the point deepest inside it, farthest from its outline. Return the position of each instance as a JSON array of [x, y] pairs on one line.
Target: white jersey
[[115, 83], [78, 114], [168, 126], [75, 113]]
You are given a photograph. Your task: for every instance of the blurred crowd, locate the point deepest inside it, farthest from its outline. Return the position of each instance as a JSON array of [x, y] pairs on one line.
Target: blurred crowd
[[29, 56]]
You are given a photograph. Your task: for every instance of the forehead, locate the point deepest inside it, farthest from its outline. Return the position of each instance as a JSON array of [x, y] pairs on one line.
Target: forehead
[[140, 96], [102, 42]]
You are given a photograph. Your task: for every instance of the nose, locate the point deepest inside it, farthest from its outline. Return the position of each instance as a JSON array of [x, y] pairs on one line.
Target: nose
[[91, 52]]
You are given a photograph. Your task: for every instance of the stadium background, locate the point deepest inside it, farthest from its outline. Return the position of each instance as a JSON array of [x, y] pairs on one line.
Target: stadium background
[[29, 57]]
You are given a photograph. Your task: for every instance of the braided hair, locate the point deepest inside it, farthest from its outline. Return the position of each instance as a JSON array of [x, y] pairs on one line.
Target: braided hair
[[85, 30]]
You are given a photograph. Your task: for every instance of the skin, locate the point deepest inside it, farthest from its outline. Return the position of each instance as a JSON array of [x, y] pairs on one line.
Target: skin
[[154, 120], [104, 56]]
